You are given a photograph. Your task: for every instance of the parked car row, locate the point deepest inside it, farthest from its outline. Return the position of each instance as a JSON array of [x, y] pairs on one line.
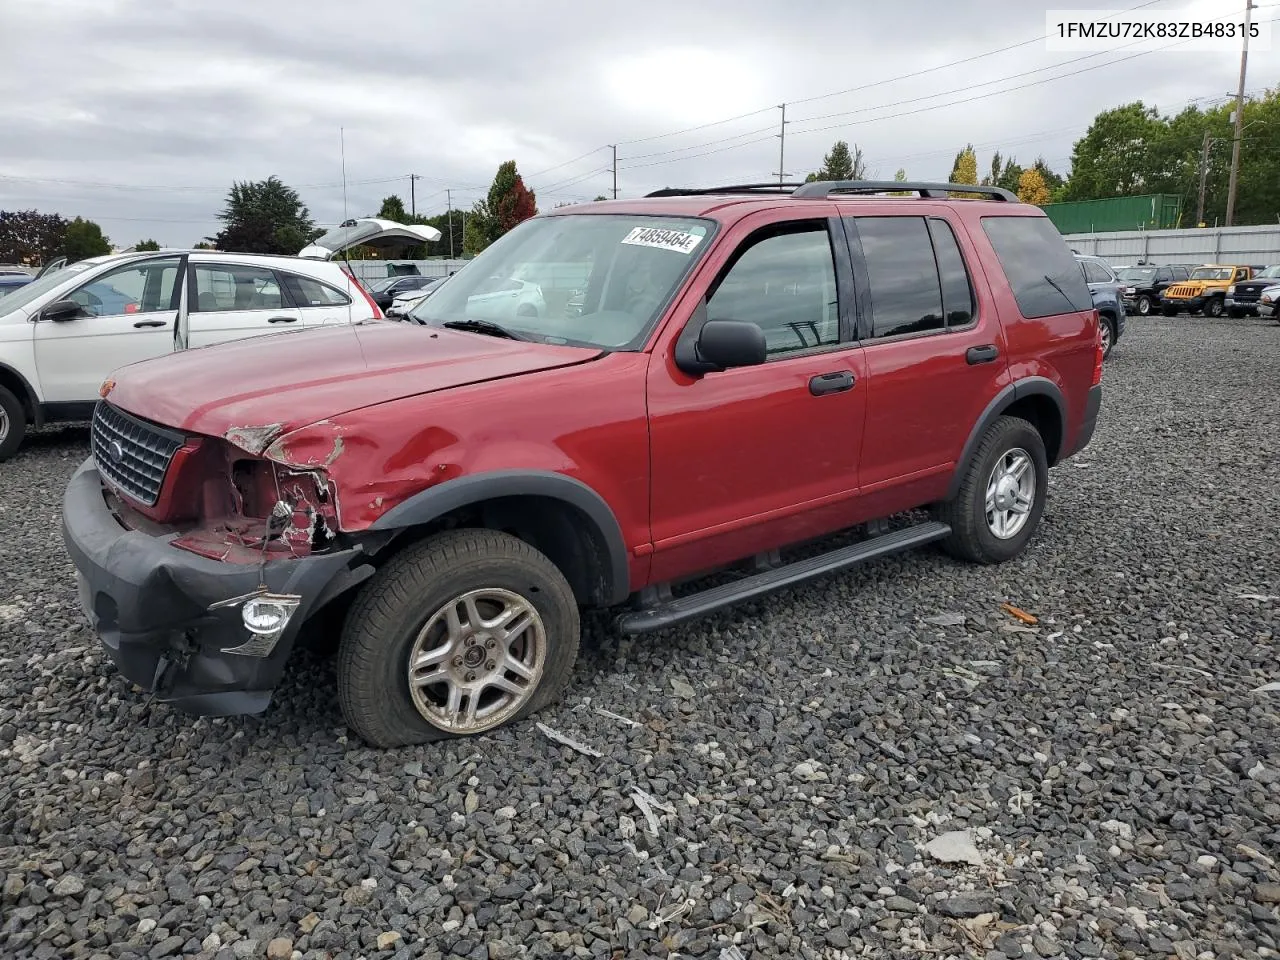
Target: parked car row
[[456, 489], [1210, 289]]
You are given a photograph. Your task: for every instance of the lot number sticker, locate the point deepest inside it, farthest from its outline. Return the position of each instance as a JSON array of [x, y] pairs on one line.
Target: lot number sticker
[[676, 240]]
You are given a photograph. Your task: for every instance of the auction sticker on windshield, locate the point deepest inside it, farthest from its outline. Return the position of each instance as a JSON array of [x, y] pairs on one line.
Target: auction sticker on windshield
[[676, 240]]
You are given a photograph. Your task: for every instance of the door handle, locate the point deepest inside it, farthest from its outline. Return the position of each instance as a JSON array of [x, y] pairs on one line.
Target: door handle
[[151, 323], [983, 354], [281, 319], [837, 382]]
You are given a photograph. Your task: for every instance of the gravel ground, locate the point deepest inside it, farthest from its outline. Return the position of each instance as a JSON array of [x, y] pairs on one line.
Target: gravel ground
[[828, 775]]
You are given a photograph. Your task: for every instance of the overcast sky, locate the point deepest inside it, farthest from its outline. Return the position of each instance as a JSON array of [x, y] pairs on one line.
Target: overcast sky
[[139, 114]]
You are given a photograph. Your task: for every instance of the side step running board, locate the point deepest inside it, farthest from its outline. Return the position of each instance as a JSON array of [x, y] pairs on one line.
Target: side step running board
[[661, 615]]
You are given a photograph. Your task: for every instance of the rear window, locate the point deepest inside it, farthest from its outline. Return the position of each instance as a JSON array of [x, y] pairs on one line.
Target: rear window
[[1043, 273]]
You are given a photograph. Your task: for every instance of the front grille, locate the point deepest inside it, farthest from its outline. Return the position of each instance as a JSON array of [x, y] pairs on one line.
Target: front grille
[[1181, 290], [131, 454]]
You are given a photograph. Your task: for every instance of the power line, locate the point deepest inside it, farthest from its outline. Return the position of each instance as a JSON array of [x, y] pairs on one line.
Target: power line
[[925, 109], [943, 66]]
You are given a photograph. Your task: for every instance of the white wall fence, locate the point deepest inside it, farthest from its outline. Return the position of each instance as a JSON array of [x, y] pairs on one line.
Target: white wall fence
[[1234, 245], [366, 271]]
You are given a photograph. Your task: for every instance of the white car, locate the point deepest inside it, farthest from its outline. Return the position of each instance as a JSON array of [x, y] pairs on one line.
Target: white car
[[63, 334], [1269, 302], [404, 302]]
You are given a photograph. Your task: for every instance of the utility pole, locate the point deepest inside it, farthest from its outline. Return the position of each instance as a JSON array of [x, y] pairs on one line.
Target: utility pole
[[448, 196], [413, 194], [1204, 177], [1239, 132], [615, 170], [782, 144]]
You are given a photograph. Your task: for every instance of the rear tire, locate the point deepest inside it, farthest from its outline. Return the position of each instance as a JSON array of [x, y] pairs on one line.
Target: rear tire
[[988, 482], [13, 424], [439, 605], [1108, 327]]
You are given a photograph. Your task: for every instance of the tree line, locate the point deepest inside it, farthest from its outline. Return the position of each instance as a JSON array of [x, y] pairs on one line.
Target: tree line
[[1132, 150]]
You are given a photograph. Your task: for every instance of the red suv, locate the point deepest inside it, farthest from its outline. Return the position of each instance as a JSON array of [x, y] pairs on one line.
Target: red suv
[[611, 399]]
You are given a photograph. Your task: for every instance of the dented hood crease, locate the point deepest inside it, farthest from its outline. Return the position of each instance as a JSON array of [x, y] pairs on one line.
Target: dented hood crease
[[253, 391]]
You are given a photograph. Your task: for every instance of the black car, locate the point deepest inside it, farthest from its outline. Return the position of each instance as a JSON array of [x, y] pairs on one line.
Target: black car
[[1243, 295], [384, 291], [1144, 283]]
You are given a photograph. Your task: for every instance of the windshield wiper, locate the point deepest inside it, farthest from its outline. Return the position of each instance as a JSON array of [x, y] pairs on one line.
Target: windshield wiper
[[476, 325]]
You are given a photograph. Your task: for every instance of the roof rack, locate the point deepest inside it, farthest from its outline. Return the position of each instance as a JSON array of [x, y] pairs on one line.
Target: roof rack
[[821, 189], [747, 188]]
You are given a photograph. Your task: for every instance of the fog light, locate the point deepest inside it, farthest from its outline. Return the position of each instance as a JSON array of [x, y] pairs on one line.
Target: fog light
[[268, 614]]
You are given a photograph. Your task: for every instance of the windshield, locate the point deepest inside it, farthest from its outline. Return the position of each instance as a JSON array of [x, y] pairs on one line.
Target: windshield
[[1211, 273], [380, 285], [1137, 273], [592, 280], [1268, 273], [30, 292]]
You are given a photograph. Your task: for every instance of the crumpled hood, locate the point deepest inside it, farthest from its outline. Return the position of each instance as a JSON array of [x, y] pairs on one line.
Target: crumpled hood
[[285, 381]]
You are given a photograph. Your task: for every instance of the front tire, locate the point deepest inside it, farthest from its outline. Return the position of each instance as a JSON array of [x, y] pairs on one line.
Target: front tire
[[459, 635], [1236, 313], [1001, 497], [1213, 308], [1143, 306], [13, 424], [1170, 312]]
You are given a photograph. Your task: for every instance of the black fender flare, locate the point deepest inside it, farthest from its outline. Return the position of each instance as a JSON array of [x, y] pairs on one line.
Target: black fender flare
[[1007, 397], [464, 491], [37, 413]]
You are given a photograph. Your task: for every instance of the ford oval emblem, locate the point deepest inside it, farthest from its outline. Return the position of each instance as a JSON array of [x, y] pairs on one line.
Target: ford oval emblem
[[115, 452]]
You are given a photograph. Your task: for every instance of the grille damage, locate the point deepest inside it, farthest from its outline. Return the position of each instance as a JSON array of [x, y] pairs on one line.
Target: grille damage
[[131, 454]]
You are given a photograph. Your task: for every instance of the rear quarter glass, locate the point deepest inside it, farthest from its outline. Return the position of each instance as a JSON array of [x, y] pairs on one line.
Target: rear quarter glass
[[1042, 272]]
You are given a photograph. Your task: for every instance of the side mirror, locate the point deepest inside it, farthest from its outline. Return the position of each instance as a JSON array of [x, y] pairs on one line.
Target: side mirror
[[716, 345], [62, 310]]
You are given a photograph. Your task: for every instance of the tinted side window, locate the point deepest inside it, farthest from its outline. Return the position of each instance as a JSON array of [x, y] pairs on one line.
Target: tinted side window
[[1163, 275], [1094, 272], [957, 288], [312, 293], [905, 294], [1046, 279], [785, 284]]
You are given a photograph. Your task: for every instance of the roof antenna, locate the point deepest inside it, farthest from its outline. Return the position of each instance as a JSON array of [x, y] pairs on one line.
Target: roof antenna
[[342, 148], [346, 257]]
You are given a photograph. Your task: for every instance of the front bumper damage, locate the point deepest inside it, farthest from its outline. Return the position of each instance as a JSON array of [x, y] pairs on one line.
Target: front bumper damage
[[173, 622]]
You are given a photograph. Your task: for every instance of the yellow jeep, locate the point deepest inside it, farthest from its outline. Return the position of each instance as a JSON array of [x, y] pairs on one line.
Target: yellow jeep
[[1205, 292]]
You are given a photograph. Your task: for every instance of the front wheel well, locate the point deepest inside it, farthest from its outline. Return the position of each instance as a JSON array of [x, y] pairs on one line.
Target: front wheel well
[[1042, 413], [565, 534], [13, 382]]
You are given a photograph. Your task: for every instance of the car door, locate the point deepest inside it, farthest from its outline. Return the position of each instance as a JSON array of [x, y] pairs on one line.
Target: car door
[[318, 302], [752, 458], [935, 353], [231, 301], [127, 315]]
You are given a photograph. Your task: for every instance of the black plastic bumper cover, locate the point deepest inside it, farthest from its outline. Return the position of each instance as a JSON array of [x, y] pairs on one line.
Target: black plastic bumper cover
[[149, 603], [1090, 422]]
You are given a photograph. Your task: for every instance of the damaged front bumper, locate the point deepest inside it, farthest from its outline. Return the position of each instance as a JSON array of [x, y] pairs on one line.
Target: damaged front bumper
[[175, 623]]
